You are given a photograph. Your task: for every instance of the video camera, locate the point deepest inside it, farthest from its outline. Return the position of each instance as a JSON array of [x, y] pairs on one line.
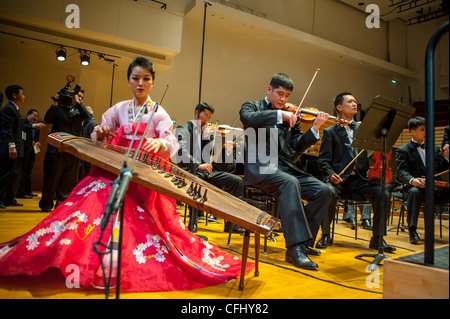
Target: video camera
[[65, 95]]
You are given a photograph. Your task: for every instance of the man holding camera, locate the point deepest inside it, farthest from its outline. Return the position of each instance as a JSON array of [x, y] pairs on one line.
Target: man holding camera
[[60, 168]]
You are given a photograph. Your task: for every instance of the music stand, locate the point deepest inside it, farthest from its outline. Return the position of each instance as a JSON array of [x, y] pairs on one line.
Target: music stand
[[387, 121]]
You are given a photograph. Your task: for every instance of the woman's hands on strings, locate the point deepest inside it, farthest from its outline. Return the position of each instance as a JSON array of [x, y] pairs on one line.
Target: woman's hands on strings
[[103, 131]]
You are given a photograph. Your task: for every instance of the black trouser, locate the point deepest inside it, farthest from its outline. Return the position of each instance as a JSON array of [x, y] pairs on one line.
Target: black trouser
[[8, 169], [415, 198], [26, 172], [300, 223], [370, 192], [228, 182], [60, 177]]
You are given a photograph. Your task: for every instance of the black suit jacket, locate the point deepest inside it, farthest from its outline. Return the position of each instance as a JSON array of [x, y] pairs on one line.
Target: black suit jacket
[[445, 139], [65, 119], [335, 153], [189, 155], [32, 135], [10, 129], [281, 143], [410, 165]]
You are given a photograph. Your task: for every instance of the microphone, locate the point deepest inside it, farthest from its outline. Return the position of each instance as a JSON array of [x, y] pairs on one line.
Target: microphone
[[208, 3]]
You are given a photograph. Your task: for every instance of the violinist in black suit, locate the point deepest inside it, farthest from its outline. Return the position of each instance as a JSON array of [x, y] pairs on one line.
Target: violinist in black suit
[[194, 155], [11, 143], [411, 170], [335, 154], [274, 138]]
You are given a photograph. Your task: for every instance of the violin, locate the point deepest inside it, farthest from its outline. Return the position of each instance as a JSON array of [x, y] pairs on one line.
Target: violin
[[375, 171], [309, 114]]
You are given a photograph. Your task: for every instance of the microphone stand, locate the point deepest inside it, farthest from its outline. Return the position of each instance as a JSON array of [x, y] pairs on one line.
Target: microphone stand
[[116, 201], [203, 49]]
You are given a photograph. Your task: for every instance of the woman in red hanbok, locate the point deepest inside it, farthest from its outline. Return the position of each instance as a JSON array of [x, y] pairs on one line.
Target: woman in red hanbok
[[158, 252]]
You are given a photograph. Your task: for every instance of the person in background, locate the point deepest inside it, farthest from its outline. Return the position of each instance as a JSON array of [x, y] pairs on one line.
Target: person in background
[[11, 143], [336, 154], [61, 168], [30, 129], [86, 131], [411, 170], [194, 155]]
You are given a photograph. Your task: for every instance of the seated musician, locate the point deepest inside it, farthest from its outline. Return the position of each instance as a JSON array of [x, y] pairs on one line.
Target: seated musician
[[196, 142], [278, 133], [158, 252], [335, 154], [411, 170]]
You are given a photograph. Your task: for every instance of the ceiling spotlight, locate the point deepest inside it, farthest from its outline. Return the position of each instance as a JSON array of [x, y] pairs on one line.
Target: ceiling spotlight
[[85, 59], [61, 54]]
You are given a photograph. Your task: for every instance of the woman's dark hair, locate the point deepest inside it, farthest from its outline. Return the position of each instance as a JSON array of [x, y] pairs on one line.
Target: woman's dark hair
[[144, 63]]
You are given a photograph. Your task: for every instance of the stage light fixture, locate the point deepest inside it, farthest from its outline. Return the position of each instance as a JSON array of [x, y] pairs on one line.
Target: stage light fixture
[[85, 59], [61, 54]]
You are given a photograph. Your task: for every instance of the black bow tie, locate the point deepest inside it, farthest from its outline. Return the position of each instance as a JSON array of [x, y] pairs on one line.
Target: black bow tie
[[352, 125], [418, 145]]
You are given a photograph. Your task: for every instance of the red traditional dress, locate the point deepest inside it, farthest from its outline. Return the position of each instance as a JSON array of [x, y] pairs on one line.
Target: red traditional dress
[[158, 254]]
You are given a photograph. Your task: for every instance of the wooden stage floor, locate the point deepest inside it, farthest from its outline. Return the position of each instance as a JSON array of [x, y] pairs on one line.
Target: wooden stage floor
[[340, 274]]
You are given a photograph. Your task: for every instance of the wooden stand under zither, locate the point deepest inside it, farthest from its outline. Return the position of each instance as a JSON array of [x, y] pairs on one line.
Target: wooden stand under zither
[[407, 277], [164, 177]]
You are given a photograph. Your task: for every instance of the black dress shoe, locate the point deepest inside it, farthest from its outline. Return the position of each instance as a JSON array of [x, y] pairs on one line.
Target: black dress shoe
[[365, 224], [14, 203], [414, 237], [323, 242], [374, 244], [310, 251], [299, 259], [351, 221]]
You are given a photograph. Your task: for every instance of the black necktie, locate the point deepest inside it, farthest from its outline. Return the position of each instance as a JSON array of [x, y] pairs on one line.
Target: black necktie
[[418, 145]]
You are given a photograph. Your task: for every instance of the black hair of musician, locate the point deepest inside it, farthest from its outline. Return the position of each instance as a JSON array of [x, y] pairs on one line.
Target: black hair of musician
[[204, 106], [30, 111], [415, 122], [340, 98], [12, 89], [281, 79], [144, 63]]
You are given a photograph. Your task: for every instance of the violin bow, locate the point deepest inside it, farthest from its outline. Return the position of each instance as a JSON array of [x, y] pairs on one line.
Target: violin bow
[[349, 164], [214, 143], [164, 94], [441, 173], [307, 90]]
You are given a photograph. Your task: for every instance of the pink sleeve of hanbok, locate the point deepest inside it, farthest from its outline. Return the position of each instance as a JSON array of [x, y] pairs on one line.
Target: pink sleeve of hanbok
[[163, 125]]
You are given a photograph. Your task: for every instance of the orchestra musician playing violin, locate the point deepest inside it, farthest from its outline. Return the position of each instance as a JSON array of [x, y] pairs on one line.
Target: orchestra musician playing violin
[[274, 131], [196, 139], [411, 170], [336, 154]]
